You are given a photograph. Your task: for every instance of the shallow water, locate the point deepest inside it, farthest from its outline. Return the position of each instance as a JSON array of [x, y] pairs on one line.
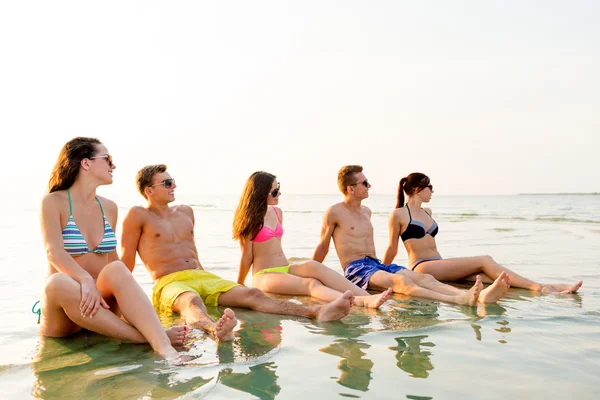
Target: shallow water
[[527, 346]]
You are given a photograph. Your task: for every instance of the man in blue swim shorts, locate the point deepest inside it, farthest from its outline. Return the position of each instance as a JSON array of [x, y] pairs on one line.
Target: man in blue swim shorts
[[349, 223]]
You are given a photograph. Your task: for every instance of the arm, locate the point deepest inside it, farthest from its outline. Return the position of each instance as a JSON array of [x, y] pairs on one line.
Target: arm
[[246, 260], [112, 215], [130, 238], [327, 229], [394, 229]]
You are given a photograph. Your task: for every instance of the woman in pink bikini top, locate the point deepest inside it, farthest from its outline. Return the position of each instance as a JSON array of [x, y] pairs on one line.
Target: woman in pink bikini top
[[258, 227]]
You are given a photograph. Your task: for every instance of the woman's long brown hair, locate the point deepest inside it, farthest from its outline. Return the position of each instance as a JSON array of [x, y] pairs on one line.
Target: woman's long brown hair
[[69, 160], [409, 185], [251, 211]]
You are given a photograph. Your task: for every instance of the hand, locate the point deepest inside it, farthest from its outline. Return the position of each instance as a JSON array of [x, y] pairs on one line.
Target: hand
[[91, 299]]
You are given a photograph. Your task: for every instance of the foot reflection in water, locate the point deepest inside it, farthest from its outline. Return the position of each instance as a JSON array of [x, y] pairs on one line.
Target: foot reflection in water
[[355, 370], [261, 381], [411, 359]]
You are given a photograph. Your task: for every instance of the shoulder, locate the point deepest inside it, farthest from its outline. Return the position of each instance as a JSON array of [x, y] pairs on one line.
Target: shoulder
[[53, 201], [277, 210], [185, 209], [398, 214], [336, 208], [137, 211], [108, 205], [428, 210], [366, 210]]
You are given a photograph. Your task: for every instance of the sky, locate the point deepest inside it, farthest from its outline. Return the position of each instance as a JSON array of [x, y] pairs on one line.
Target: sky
[[485, 97]]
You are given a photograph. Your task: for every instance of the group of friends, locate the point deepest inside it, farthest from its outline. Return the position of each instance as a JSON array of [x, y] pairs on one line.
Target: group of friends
[[90, 287]]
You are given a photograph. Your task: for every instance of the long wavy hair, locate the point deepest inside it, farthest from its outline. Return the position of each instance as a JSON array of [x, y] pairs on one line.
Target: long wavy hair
[[69, 161], [409, 185], [250, 213]]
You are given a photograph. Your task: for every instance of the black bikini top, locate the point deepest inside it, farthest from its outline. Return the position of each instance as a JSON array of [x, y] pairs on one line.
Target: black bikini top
[[416, 229]]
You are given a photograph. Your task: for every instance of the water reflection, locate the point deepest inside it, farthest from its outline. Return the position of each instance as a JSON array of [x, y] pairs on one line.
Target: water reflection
[[84, 364], [261, 381], [411, 358], [87, 364], [258, 336]]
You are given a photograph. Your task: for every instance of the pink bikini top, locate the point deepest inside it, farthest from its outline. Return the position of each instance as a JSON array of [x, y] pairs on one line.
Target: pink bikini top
[[267, 233]]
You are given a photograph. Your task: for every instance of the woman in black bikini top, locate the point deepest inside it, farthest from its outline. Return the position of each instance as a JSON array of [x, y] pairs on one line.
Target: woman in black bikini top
[[417, 229]]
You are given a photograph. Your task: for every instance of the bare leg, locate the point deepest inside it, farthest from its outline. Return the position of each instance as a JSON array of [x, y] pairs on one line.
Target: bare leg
[[116, 280], [330, 278], [255, 299], [192, 308], [62, 316], [453, 269], [401, 283], [291, 284], [491, 294]]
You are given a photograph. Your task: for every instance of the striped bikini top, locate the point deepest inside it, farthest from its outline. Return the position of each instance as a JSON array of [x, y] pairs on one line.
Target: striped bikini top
[[75, 243]]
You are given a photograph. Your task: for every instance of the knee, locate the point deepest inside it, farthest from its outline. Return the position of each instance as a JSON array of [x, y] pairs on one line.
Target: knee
[[61, 284], [402, 284], [116, 271], [427, 278], [187, 300], [254, 295], [312, 283], [487, 260]]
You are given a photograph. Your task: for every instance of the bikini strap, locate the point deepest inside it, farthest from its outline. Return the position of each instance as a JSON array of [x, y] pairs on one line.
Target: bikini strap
[[101, 209], [427, 212], [278, 219], [70, 205], [409, 215]]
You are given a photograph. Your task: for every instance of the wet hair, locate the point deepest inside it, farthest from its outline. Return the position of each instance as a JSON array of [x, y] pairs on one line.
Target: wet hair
[[143, 179], [250, 213], [69, 161], [410, 185], [346, 177]]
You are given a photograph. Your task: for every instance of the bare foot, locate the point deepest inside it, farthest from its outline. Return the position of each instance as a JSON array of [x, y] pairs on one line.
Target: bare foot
[[225, 325], [374, 301], [471, 297], [496, 290], [561, 288], [178, 359], [337, 309], [177, 334]]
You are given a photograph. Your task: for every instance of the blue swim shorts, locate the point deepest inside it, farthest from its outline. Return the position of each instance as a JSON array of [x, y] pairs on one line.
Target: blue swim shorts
[[360, 271]]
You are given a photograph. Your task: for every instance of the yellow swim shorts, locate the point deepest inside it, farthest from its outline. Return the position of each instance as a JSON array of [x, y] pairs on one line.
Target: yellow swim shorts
[[169, 287], [283, 270]]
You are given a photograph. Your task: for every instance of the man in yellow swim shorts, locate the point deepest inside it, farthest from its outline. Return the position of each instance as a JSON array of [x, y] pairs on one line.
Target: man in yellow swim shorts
[[163, 236]]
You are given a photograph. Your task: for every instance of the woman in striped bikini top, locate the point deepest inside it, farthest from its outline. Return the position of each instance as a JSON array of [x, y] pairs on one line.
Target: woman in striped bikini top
[[80, 287], [75, 243]]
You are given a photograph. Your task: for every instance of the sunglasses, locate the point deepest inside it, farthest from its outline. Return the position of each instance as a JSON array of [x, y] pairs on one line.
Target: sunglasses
[[429, 186], [108, 159], [275, 192], [365, 183], [168, 183]]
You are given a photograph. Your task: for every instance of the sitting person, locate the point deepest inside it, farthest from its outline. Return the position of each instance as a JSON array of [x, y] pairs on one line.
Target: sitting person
[[349, 223], [257, 226], [87, 286], [163, 236], [409, 222]]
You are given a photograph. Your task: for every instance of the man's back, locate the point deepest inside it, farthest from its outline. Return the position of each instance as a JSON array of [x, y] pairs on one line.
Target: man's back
[[353, 233], [165, 242]]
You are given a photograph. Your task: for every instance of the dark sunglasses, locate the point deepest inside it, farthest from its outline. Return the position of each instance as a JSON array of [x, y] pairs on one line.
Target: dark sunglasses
[[275, 192], [430, 186], [365, 183], [168, 183], [107, 157]]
